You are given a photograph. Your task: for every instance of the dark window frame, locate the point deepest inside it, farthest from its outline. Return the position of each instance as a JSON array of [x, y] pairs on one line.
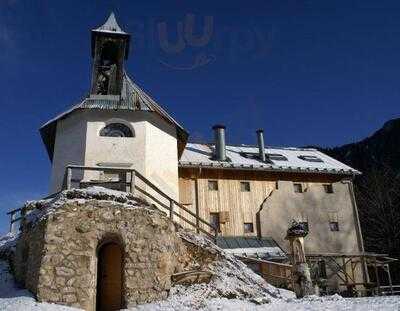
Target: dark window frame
[[245, 186], [334, 226], [217, 223], [298, 188], [276, 157], [251, 230], [328, 188], [116, 130], [212, 188], [310, 158], [269, 156]]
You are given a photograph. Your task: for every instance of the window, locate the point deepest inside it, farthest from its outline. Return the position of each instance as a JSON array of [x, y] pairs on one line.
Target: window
[[116, 130], [298, 188], [269, 156], [328, 188], [248, 227], [250, 155], [334, 226], [276, 157], [213, 185], [244, 186], [310, 158], [214, 221], [333, 221]]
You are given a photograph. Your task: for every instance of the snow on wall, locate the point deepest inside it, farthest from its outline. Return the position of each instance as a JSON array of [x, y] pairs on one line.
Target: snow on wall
[[37, 210]]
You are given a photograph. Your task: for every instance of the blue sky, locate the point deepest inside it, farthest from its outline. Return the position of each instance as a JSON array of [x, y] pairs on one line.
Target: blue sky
[[308, 72]]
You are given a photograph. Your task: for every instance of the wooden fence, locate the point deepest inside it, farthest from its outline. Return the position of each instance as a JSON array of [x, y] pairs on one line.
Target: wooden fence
[[131, 183], [275, 273]]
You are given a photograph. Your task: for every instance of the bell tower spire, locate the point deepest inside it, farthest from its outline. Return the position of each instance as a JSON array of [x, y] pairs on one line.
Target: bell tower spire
[[110, 47]]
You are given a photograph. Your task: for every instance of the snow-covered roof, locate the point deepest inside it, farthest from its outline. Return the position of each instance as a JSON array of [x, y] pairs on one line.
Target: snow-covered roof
[[132, 98], [111, 25], [304, 160], [249, 246]]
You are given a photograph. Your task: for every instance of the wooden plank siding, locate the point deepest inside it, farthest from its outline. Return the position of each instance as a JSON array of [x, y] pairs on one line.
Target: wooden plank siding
[[187, 197], [242, 206]]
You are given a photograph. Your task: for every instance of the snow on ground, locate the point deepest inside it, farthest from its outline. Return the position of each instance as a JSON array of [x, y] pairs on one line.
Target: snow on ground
[[233, 285], [331, 303], [13, 298], [231, 278], [8, 243]]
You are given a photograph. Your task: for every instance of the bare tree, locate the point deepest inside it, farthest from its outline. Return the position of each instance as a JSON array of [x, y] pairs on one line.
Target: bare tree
[[378, 197]]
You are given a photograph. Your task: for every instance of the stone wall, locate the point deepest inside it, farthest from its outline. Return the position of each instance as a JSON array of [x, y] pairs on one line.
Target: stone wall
[[28, 256], [57, 257]]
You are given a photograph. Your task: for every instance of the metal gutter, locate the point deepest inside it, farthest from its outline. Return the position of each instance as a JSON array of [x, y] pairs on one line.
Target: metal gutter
[[266, 168]]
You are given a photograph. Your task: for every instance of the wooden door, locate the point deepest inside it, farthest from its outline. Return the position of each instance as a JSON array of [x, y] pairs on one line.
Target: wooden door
[[109, 278]]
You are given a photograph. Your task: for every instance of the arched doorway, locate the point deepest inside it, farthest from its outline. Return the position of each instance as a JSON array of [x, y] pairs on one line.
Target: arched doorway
[[109, 277]]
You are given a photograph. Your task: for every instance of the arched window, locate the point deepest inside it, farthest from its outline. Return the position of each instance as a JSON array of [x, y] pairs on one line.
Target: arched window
[[116, 130]]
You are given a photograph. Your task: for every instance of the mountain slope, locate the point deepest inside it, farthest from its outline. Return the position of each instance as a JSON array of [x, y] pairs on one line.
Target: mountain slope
[[379, 151], [378, 189]]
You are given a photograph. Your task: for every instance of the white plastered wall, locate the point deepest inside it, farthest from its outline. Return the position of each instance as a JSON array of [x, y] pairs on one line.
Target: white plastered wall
[[314, 204], [152, 151], [69, 148]]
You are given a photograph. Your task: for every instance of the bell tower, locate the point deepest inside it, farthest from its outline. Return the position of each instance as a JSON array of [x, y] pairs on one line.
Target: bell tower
[[110, 47]]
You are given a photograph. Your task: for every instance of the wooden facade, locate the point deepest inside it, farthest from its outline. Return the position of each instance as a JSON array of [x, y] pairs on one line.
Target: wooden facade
[[235, 204]]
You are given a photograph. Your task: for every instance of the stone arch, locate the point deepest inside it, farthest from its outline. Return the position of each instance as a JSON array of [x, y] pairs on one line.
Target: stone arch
[[110, 255], [64, 251]]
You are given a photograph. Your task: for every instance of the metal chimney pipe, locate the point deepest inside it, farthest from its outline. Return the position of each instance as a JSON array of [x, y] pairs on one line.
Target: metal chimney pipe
[[261, 146], [220, 147]]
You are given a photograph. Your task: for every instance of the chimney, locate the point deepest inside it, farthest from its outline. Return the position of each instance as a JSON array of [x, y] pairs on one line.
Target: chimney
[[219, 136], [261, 146]]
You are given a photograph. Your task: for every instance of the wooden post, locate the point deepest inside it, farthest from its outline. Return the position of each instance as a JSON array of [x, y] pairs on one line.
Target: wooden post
[[378, 284], [302, 283], [345, 273], [69, 177], [171, 209], [390, 279], [133, 182], [196, 193]]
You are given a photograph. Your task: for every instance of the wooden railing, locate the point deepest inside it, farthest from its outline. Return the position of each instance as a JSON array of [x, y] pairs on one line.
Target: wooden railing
[[156, 198], [275, 273], [390, 290]]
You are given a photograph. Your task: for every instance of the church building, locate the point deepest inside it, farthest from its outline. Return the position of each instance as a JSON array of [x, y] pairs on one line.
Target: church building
[[248, 194]]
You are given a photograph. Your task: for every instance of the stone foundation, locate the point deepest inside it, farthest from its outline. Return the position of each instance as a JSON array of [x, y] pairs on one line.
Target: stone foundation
[[56, 256]]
